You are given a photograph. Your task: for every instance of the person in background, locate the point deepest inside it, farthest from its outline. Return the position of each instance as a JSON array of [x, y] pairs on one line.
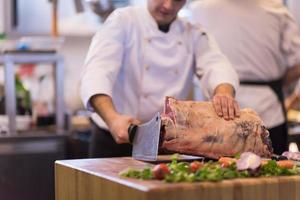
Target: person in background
[[137, 58], [262, 41], [294, 7], [293, 100]]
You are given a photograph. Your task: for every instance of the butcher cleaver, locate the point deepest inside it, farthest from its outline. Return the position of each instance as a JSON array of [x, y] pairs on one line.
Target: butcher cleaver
[[145, 139]]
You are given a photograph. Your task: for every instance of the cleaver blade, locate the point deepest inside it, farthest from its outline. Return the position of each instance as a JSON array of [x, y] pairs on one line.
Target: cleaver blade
[[145, 139]]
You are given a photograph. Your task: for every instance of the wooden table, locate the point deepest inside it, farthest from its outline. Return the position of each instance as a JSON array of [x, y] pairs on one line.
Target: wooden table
[[91, 179]]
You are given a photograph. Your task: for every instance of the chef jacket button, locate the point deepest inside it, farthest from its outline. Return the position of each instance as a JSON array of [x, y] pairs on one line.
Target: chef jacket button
[[176, 72], [179, 43], [148, 40], [146, 96], [146, 67]]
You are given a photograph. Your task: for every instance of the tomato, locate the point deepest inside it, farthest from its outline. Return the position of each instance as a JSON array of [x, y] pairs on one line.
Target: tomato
[[226, 161], [159, 171], [195, 165], [287, 164]]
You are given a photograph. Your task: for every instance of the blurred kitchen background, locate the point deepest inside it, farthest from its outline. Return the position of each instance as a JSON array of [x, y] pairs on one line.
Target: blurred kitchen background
[[43, 44]]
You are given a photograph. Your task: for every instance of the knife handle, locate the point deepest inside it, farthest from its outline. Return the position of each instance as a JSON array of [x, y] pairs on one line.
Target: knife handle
[[131, 132]]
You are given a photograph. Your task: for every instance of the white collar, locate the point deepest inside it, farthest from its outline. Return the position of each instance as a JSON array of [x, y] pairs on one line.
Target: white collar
[[152, 27]]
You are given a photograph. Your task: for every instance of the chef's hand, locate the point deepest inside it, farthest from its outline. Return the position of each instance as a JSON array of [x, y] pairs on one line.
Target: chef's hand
[[118, 126], [224, 103]]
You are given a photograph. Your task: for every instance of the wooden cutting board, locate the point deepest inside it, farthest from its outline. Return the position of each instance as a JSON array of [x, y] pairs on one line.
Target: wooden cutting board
[[97, 179]]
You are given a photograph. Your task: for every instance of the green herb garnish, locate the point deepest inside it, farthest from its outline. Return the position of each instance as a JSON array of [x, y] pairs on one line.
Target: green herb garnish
[[210, 171]]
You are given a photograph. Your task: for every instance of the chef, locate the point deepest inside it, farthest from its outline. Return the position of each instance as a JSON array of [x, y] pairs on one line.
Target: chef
[[262, 41], [138, 57]]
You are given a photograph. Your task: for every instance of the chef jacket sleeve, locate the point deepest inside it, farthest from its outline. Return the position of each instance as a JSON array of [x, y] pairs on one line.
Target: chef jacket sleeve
[[211, 65], [290, 43], [104, 58]]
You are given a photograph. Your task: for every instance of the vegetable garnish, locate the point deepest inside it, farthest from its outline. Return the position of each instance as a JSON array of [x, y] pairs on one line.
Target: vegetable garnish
[[160, 171], [214, 170], [226, 161], [248, 160]]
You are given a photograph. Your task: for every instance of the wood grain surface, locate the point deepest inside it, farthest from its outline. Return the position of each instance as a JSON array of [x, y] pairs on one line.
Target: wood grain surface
[[98, 179]]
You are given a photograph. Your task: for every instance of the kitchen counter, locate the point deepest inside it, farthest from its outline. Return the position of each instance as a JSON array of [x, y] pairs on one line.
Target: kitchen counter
[[91, 179], [27, 164]]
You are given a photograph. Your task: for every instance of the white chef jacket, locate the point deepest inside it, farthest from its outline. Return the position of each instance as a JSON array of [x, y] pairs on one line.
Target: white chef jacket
[[138, 66], [260, 43], [294, 6]]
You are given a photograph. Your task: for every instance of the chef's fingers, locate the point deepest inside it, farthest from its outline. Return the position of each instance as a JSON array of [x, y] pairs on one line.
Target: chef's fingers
[[231, 108], [119, 128], [136, 122], [224, 104], [237, 109], [217, 106], [121, 136]]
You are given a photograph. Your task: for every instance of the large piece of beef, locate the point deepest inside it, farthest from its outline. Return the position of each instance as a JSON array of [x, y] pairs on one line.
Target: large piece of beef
[[194, 128]]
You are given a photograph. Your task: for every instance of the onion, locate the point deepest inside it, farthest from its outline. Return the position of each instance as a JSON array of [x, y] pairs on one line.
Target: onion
[[248, 160], [288, 154], [292, 155]]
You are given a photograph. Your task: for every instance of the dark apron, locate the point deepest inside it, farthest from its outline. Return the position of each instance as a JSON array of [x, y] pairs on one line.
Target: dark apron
[[278, 134]]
